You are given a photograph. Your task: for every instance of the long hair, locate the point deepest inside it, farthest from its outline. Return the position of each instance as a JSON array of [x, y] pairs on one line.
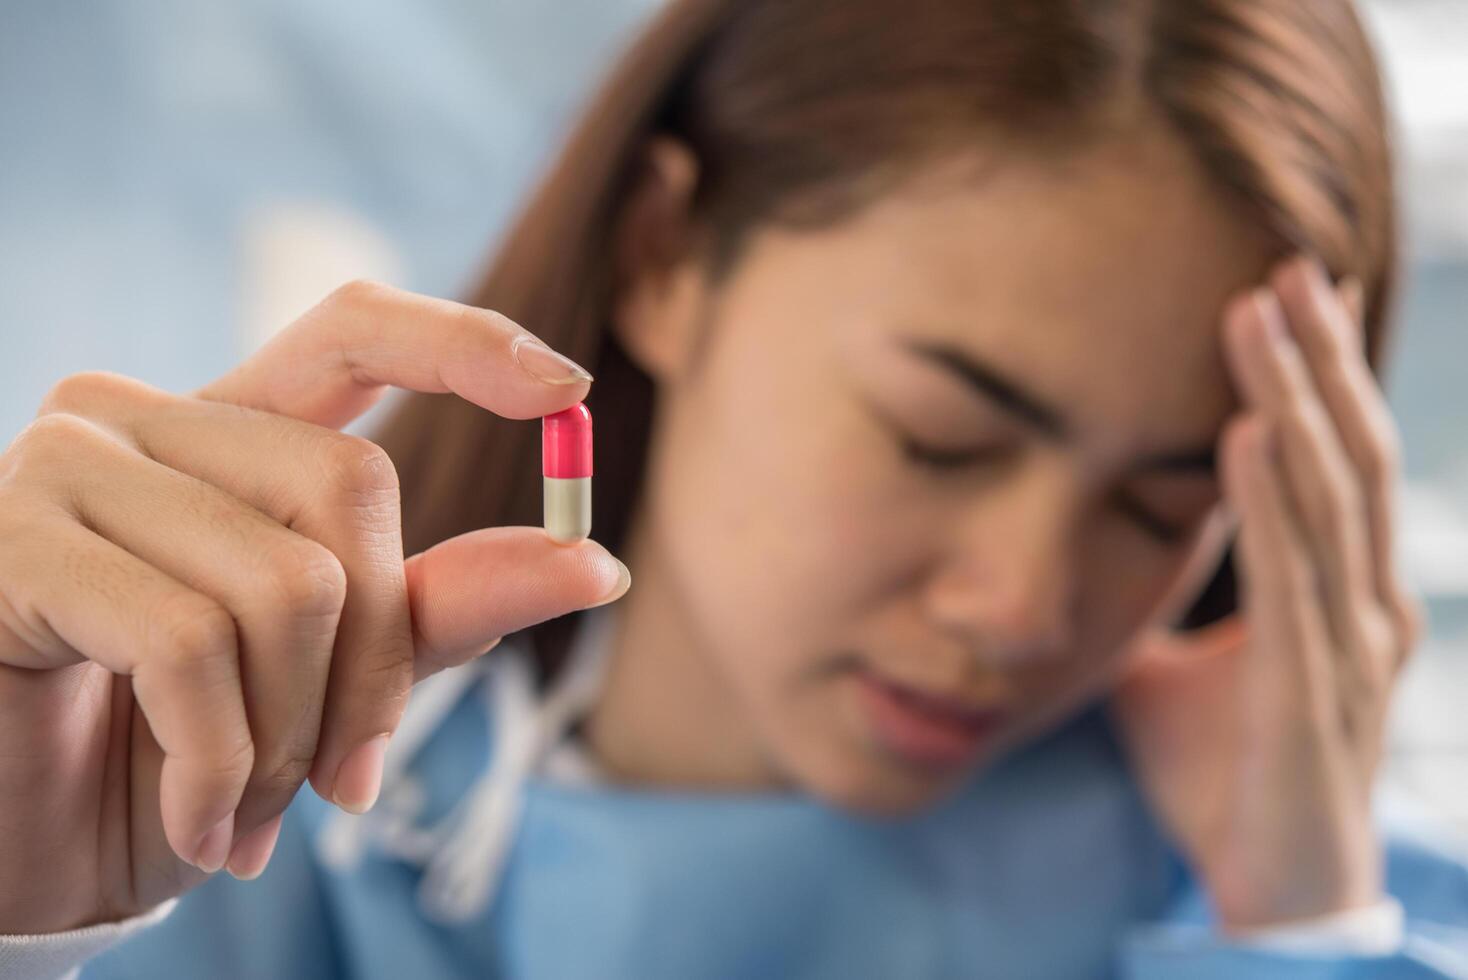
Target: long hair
[[801, 111]]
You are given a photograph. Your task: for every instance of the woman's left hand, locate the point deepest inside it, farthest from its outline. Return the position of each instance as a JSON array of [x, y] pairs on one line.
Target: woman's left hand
[[1257, 739]]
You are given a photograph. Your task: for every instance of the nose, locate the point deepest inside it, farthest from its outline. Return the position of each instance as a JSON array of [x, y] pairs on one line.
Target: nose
[[1006, 585]]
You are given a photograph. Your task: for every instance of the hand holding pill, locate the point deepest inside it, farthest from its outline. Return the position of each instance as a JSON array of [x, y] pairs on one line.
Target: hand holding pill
[[204, 599]]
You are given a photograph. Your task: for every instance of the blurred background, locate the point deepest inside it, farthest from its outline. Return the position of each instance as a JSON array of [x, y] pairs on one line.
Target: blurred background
[[179, 178]]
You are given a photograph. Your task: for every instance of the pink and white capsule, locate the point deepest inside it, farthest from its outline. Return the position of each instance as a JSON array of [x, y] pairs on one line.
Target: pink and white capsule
[[566, 465]]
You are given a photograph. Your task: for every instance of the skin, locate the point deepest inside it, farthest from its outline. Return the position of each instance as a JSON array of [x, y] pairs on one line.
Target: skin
[[788, 546], [203, 598]]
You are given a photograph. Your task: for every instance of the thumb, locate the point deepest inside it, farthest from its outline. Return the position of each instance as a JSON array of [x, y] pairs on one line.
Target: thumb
[[1159, 649], [469, 591], [1169, 683]]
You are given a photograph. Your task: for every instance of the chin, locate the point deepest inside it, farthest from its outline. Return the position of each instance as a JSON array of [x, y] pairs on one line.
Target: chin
[[862, 781]]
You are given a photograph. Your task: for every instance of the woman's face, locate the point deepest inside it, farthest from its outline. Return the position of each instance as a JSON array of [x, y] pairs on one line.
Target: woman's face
[[923, 474]]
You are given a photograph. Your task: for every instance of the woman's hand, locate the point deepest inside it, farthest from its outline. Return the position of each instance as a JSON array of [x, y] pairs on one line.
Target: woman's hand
[[204, 599], [1258, 740]]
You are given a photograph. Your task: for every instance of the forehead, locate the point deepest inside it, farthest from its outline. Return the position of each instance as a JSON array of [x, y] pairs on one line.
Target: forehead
[[1097, 280]]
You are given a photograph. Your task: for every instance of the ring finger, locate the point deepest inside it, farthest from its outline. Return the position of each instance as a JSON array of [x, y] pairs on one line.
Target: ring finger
[[1323, 486], [335, 489], [283, 590]]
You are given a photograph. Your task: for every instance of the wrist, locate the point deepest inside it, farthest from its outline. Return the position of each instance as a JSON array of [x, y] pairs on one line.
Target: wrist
[[1291, 897], [1294, 892]]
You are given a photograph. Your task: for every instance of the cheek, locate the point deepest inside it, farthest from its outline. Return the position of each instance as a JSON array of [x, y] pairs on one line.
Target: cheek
[[1116, 607], [777, 510]]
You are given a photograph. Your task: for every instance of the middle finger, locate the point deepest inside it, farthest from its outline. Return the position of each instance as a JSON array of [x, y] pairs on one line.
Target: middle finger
[[1326, 492], [1331, 337], [336, 489]]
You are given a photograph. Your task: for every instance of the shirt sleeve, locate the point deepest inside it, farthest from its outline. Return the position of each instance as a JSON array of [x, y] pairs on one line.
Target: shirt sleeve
[[1419, 931], [59, 955], [1372, 931]]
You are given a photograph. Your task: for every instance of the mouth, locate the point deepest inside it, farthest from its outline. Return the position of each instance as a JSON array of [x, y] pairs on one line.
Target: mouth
[[926, 729]]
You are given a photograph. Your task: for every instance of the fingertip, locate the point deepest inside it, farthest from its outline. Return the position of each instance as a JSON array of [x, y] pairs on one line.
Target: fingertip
[[214, 847], [621, 581], [471, 589], [250, 856], [516, 375], [359, 777], [545, 365], [320, 783], [605, 575]]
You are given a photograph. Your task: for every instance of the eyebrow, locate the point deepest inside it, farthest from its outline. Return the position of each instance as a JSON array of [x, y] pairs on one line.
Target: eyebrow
[[990, 383]]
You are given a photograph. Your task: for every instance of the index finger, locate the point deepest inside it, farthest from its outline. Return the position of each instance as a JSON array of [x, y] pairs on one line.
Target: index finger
[[1334, 343], [335, 361], [327, 368]]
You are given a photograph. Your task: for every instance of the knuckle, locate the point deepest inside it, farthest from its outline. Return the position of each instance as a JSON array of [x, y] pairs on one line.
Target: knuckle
[[47, 441], [232, 762], [390, 672], [14, 519], [55, 429], [477, 318], [195, 633], [357, 294], [385, 679], [500, 321], [308, 579], [360, 468], [281, 777], [75, 393]]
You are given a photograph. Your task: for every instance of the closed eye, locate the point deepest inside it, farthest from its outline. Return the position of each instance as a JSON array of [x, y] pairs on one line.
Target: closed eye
[[947, 460], [944, 461], [1157, 527]]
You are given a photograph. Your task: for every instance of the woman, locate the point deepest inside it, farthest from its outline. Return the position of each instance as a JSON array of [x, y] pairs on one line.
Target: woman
[[942, 352]]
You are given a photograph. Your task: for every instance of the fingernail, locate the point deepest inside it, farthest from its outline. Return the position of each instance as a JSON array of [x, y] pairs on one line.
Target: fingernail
[[252, 853], [213, 847], [359, 779], [624, 582], [544, 364]]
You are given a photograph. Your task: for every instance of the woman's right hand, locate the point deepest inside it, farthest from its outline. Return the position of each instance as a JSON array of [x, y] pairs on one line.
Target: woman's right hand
[[204, 599]]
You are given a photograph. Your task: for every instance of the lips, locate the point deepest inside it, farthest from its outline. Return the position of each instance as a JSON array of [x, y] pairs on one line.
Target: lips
[[927, 730]]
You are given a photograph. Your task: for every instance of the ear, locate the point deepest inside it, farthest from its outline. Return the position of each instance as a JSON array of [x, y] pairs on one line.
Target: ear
[[660, 286]]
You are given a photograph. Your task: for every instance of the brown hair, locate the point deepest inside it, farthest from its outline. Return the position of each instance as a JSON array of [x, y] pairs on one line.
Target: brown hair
[[801, 110]]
